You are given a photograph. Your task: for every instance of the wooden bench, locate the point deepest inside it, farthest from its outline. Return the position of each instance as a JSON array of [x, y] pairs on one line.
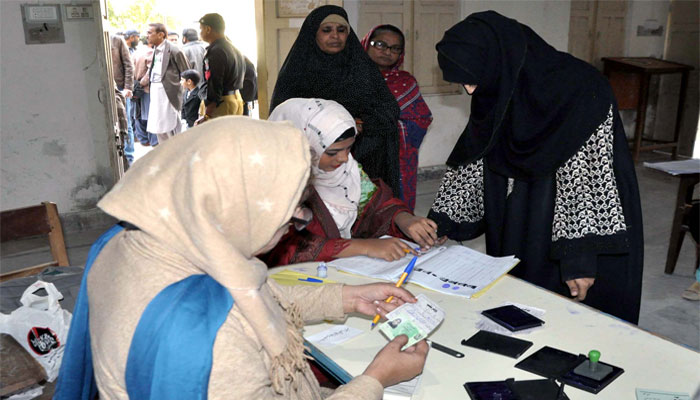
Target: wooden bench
[[33, 221]]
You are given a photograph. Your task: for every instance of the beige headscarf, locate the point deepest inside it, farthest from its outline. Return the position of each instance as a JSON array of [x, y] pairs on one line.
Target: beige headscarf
[[216, 194]]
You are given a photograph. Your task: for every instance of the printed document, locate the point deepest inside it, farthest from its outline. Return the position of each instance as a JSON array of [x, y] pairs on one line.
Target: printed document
[[455, 270]]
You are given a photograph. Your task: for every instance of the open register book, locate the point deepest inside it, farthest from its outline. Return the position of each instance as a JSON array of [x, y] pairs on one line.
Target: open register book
[[455, 270]]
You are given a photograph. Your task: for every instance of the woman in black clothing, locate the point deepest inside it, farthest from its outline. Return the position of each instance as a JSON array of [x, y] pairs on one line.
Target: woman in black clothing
[[542, 167], [327, 61]]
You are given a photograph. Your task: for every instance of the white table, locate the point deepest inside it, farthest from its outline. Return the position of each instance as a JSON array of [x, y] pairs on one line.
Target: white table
[[649, 361]]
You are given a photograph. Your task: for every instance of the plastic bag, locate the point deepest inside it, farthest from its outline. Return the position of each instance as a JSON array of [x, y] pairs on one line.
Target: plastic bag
[[40, 325]]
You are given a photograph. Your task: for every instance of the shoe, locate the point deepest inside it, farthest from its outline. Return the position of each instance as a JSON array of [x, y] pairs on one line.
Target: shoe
[[145, 144], [693, 292]]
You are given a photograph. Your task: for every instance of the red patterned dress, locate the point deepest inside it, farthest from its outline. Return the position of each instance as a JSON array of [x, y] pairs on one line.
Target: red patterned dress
[[413, 123]]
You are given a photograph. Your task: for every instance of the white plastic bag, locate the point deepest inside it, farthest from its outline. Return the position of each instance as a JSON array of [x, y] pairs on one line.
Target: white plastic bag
[[40, 325]]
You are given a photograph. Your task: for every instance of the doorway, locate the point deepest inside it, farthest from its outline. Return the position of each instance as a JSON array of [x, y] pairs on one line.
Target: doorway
[[177, 15]]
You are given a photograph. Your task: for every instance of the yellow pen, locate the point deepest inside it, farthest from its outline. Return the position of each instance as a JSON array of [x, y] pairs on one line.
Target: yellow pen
[[404, 275]]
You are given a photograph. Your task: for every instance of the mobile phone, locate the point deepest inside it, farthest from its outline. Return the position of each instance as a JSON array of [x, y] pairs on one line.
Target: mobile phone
[[512, 318]]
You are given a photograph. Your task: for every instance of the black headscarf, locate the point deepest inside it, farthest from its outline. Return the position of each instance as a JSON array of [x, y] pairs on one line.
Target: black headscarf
[[353, 80], [533, 107]]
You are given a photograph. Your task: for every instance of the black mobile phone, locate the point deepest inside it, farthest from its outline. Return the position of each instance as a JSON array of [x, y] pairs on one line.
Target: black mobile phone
[[512, 318], [499, 344]]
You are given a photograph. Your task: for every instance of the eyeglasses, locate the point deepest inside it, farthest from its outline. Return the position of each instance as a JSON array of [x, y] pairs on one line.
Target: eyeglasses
[[381, 46], [301, 218]]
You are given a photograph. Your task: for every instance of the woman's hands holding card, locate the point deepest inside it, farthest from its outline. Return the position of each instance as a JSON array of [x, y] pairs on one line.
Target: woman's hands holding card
[[369, 299]]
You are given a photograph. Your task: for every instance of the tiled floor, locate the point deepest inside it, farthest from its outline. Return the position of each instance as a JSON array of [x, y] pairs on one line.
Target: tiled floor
[[663, 311]]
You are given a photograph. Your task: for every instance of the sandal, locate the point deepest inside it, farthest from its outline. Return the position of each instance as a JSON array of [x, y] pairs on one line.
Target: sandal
[[693, 292]]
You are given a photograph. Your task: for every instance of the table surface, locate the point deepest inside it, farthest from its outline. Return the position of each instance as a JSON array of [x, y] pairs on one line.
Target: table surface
[[649, 361], [648, 64]]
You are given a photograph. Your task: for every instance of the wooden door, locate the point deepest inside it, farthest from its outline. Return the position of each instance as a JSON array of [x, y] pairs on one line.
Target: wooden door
[[395, 12], [115, 141], [597, 29], [610, 31], [431, 18], [582, 29]]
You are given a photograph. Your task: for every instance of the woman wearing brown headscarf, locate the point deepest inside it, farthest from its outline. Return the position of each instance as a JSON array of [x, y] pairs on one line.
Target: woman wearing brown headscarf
[[217, 196]]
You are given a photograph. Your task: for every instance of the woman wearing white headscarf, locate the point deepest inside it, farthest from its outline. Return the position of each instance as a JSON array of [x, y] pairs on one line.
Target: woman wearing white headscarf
[[350, 210], [219, 195]]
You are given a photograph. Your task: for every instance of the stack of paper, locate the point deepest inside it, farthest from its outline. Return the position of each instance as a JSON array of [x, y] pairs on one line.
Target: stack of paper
[[455, 270]]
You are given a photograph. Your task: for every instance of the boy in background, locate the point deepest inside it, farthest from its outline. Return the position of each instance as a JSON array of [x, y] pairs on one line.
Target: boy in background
[[191, 101]]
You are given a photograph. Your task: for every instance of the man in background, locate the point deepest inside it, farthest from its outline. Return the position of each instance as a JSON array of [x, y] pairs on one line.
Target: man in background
[[131, 37], [142, 64], [249, 92], [194, 51], [224, 69], [165, 88], [174, 38], [123, 71]]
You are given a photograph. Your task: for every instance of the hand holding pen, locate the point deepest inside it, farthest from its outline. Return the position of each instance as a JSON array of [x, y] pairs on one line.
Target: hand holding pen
[[403, 277]]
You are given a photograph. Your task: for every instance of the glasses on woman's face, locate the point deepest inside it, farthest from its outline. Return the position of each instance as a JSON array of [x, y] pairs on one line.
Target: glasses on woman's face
[[301, 218], [381, 46]]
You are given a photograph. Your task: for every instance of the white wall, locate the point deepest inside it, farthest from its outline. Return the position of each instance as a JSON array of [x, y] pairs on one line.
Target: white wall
[[53, 142], [637, 13]]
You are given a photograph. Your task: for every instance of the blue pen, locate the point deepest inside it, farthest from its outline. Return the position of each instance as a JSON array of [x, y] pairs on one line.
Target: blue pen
[[311, 280], [404, 275]]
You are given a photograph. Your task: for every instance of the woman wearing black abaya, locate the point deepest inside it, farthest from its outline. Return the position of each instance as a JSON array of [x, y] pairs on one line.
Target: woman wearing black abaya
[[327, 61], [542, 167]]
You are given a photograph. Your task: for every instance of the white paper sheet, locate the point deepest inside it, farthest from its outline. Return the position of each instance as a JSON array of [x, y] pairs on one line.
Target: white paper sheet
[[455, 270], [334, 336], [680, 167]]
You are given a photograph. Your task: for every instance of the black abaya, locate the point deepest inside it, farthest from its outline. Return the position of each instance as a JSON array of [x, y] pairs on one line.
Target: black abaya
[[543, 154], [353, 80]]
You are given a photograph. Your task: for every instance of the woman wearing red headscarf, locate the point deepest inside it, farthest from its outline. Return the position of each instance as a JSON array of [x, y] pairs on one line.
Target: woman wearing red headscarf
[[385, 46]]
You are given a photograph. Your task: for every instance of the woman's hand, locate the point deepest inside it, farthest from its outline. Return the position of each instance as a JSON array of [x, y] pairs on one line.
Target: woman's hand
[[389, 249], [579, 287], [370, 299], [420, 229], [391, 365]]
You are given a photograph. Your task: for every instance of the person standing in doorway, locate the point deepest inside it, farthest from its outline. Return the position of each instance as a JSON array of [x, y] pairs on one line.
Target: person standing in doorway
[[142, 64], [224, 69], [123, 71], [249, 92], [194, 50], [174, 38], [131, 37], [165, 88]]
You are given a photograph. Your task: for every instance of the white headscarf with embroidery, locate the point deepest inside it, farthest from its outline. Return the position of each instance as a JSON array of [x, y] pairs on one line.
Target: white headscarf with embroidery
[[324, 121]]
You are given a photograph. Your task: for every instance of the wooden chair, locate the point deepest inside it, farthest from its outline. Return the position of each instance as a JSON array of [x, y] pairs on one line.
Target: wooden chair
[[34, 221]]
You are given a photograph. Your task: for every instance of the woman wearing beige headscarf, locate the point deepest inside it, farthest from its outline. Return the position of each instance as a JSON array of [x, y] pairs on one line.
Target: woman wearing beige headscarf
[[218, 195]]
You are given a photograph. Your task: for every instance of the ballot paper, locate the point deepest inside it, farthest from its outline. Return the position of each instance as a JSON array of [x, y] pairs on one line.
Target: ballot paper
[[455, 270], [415, 320]]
